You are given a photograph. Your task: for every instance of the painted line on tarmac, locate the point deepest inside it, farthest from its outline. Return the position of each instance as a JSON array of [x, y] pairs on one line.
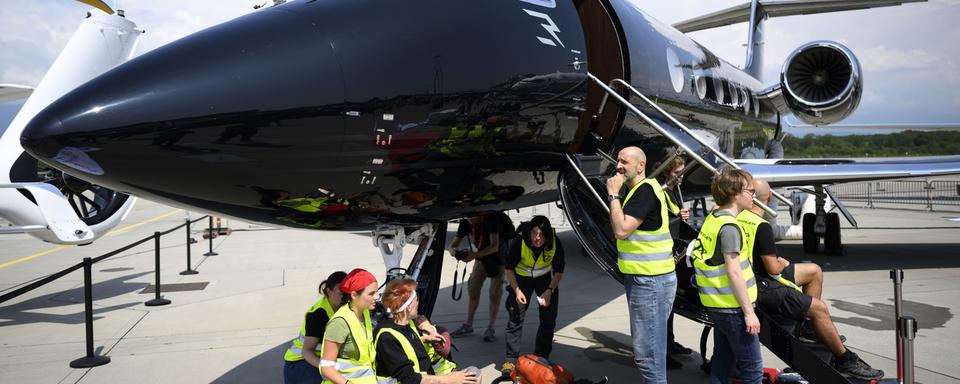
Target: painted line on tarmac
[[49, 251]]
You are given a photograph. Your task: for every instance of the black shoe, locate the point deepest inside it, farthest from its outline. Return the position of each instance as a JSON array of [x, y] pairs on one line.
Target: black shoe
[[673, 364], [856, 368], [675, 348]]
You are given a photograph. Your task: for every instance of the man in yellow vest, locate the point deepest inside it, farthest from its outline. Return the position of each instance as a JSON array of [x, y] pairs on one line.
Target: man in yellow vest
[[782, 299], [726, 282], [645, 257]]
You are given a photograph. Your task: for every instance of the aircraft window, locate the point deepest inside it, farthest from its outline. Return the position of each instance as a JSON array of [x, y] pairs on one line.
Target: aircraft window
[[700, 86], [746, 102], [734, 94], [723, 97], [717, 90]]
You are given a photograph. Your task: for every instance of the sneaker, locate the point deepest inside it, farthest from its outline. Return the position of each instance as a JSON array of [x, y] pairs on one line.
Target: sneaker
[[856, 368], [675, 348], [673, 363], [488, 335], [507, 368], [464, 330]]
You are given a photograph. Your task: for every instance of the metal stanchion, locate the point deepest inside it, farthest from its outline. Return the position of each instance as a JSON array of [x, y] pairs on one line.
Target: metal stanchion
[[897, 276], [189, 270], [908, 331], [210, 237], [90, 360], [157, 300]]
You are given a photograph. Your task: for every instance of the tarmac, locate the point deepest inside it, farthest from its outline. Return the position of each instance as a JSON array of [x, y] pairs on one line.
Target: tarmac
[[235, 328]]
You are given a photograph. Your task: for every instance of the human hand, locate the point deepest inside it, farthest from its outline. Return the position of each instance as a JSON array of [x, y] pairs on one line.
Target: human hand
[[459, 377], [471, 256], [546, 298], [521, 298], [614, 183], [753, 323], [685, 213]]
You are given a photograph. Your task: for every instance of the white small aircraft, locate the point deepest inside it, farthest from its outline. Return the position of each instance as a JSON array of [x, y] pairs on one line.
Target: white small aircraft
[[47, 203]]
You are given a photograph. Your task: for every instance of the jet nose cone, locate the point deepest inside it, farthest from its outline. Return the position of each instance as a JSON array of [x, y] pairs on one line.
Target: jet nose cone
[[40, 135]]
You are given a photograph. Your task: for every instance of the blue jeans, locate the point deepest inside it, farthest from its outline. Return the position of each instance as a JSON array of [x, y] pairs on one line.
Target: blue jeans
[[300, 372], [731, 342], [650, 300]]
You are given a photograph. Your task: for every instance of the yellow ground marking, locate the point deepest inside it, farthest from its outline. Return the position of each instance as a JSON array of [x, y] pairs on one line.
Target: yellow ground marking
[[115, 231]]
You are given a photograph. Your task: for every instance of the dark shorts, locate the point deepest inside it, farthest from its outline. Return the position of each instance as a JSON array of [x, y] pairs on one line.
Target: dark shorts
[[784, 302], [790, 273]]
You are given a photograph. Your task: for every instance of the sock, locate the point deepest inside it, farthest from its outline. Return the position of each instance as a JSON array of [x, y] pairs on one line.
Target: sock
[[847, 356]]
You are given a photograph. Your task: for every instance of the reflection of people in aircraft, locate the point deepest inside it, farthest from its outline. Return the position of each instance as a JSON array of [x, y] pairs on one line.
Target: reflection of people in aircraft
[[534, 265], [671, 179], [782, 299], [300, 367], [645, 257], [348, 349], [321, 204], [403, 355], [726, 281], [483, 239]]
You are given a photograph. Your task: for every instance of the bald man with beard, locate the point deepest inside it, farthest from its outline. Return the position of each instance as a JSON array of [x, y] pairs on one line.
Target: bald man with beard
[[781, 297]]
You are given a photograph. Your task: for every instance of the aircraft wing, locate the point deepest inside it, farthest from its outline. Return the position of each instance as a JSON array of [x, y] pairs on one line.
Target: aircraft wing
[[10, 92], [777, 8], [789, 172]]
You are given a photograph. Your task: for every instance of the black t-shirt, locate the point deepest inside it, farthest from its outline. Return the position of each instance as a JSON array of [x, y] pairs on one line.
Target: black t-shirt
[[486, 226], [392, 361], [764, 244], [643, 205], [316, 323], [513, 257]]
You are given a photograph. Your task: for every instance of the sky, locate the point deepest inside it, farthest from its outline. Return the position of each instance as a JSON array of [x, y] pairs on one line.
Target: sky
[[909, 54]]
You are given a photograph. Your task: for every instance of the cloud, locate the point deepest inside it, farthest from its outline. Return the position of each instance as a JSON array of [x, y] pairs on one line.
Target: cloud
[[881, 58]]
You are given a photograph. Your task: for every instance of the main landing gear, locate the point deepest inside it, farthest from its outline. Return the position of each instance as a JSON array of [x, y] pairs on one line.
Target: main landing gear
[[821, 224], [427, 262]]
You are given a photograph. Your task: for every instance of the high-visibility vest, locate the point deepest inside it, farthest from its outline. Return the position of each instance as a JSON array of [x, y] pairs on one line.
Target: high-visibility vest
[[671, 206], [295, 352], [712, 281], [440, 365], [532, 266], [749, 222], [358, 371], [647, 252]]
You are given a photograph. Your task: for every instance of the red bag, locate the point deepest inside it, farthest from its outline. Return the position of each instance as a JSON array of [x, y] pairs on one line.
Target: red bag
[[532, 369]]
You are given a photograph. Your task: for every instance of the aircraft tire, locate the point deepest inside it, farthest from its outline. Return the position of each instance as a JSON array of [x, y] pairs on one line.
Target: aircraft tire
[[832, 244], [811, 242]]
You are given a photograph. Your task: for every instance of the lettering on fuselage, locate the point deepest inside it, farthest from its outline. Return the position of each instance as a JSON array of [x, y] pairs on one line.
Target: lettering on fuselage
[[548, 24]]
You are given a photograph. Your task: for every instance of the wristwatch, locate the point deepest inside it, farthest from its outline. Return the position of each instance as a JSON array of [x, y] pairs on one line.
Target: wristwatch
[[611, 198]]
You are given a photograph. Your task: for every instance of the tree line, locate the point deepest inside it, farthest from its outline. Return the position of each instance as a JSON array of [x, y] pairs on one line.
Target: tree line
[[905, 143]]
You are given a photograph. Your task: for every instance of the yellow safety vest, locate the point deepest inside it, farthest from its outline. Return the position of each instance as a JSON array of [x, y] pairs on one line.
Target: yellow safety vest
[[530, 265], [712, 281], [440, 365], [647, 252], [358, 371], [749, 222], [295, 352], [671, 206]]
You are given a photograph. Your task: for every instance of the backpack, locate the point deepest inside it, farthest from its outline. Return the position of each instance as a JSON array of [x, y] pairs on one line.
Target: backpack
[[533, 369], [507, 230]]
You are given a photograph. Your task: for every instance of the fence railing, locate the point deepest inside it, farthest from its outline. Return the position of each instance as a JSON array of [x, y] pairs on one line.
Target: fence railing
[[90, 359], [931, 195]]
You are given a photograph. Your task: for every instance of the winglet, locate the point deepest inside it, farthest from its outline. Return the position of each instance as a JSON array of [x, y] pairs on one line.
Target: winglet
[[98, 4]]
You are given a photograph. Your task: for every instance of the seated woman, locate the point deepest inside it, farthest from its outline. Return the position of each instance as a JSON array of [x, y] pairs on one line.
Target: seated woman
[[403, 356], [348, 340], [303, 367]]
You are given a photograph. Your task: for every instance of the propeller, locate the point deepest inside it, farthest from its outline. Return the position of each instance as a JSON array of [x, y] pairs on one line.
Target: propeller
[[98, 4]]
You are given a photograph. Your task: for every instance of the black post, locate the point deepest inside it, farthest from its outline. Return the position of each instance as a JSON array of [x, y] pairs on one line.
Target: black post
[[189, 271], [90, 360], [210, 237], [157, 301], [897, 276]]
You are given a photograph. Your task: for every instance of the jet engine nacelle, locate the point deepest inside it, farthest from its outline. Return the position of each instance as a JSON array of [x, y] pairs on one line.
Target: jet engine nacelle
[[822, 82]]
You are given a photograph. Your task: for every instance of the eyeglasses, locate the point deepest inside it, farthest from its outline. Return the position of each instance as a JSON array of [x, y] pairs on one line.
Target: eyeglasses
[[753, 192]]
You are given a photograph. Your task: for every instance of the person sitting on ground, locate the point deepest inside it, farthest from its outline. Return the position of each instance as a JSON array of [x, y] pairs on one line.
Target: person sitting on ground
[[403, 355], [348, 349], [782, 299], [299, 367]]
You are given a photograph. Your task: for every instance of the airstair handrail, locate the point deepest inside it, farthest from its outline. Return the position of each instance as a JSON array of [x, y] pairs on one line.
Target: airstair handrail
[[586, 182], [609, 91]]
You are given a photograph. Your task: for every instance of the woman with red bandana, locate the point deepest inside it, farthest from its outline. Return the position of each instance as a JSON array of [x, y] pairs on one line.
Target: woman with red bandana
[[348, 349]]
